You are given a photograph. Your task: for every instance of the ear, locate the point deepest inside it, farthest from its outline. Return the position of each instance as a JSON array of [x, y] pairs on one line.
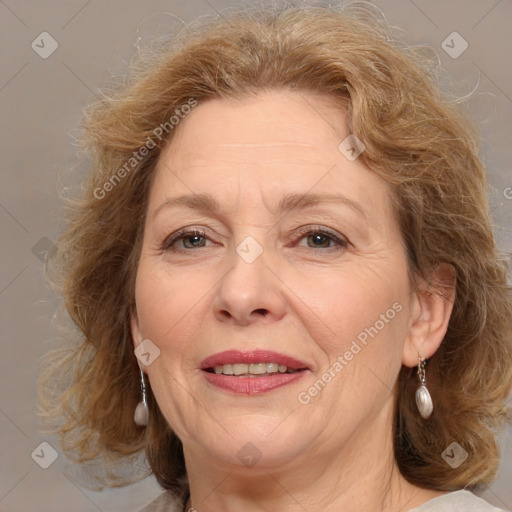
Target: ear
[[431, 308], [135, 328]]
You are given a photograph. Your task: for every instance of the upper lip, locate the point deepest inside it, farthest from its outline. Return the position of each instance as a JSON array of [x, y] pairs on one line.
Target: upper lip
[[253, 356]]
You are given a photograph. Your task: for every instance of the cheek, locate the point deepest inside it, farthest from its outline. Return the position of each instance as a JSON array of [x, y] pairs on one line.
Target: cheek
[[168, 303], [360, 307]]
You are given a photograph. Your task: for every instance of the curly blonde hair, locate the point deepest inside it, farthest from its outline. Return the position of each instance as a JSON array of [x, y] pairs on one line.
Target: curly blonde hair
[[415, 138]]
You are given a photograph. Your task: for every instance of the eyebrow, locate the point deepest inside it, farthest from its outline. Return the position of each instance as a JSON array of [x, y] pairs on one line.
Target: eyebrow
[[290, 202]]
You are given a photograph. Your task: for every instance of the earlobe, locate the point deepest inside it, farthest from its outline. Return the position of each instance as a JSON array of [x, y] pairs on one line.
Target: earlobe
[[432, 308]]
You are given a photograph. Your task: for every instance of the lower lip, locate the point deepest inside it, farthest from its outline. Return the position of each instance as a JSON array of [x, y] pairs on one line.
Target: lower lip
[[252, 385]]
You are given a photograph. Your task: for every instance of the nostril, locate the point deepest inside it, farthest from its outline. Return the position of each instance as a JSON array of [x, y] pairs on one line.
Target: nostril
[[225, 315]]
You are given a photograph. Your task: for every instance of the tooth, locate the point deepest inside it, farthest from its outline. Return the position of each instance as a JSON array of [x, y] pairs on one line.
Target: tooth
[[239, 369], [258, 369], [272, 367], [252, 369], [228, 369]]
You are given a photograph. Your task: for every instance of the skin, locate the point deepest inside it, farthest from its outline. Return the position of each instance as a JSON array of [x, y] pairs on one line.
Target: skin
[[308, 302]]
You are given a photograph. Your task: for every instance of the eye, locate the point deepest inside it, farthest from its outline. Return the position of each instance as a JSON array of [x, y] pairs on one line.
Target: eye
[[321, 238], [185, 239]]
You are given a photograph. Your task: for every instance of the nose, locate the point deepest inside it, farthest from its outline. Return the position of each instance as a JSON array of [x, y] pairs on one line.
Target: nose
[[249, 293]]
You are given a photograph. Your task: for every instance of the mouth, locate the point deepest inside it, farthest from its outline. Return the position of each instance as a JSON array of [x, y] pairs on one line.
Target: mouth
[[251, 372]]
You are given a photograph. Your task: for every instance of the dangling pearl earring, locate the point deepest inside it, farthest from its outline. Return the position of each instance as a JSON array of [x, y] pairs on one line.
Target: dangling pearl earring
[[141, 415], [423, 398]]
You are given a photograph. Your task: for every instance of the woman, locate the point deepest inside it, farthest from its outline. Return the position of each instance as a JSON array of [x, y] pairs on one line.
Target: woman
[[285, 277]]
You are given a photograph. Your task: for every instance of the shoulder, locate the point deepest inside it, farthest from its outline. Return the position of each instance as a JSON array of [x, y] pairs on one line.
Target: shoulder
[[458, 501], [165, 502]]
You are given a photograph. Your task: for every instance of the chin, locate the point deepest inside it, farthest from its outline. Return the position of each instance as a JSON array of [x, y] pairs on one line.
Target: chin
[[258, 442]]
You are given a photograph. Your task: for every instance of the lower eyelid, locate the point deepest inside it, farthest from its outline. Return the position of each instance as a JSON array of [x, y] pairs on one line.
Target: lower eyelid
[[337, 244]]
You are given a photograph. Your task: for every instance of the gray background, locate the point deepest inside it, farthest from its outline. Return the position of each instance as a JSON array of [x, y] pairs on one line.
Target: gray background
[[41, 102]]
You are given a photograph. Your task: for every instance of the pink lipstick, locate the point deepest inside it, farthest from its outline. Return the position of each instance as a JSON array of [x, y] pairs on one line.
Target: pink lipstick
[[253, 372]]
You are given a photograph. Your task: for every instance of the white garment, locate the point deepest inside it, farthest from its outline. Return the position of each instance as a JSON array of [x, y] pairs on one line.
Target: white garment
[[165, 502], [457, 501]]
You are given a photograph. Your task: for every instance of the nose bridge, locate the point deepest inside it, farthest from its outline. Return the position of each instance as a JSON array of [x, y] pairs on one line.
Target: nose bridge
[[249, 291]]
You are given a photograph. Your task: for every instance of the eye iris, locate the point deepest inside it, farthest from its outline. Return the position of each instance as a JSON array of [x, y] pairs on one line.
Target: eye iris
[[318, 240], [194, 241]]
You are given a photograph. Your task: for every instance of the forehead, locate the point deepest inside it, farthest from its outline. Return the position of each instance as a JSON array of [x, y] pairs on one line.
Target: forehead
[[276, 142], [264, 125]]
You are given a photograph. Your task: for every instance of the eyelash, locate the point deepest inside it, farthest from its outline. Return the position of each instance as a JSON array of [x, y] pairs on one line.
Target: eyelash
[[180, 235], [304, 232]]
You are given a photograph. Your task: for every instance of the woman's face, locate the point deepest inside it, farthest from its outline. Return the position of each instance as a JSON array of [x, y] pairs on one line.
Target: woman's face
[[268, 252]]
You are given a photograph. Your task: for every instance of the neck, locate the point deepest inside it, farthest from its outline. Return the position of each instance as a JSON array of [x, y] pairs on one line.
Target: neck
[[359, 475]]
